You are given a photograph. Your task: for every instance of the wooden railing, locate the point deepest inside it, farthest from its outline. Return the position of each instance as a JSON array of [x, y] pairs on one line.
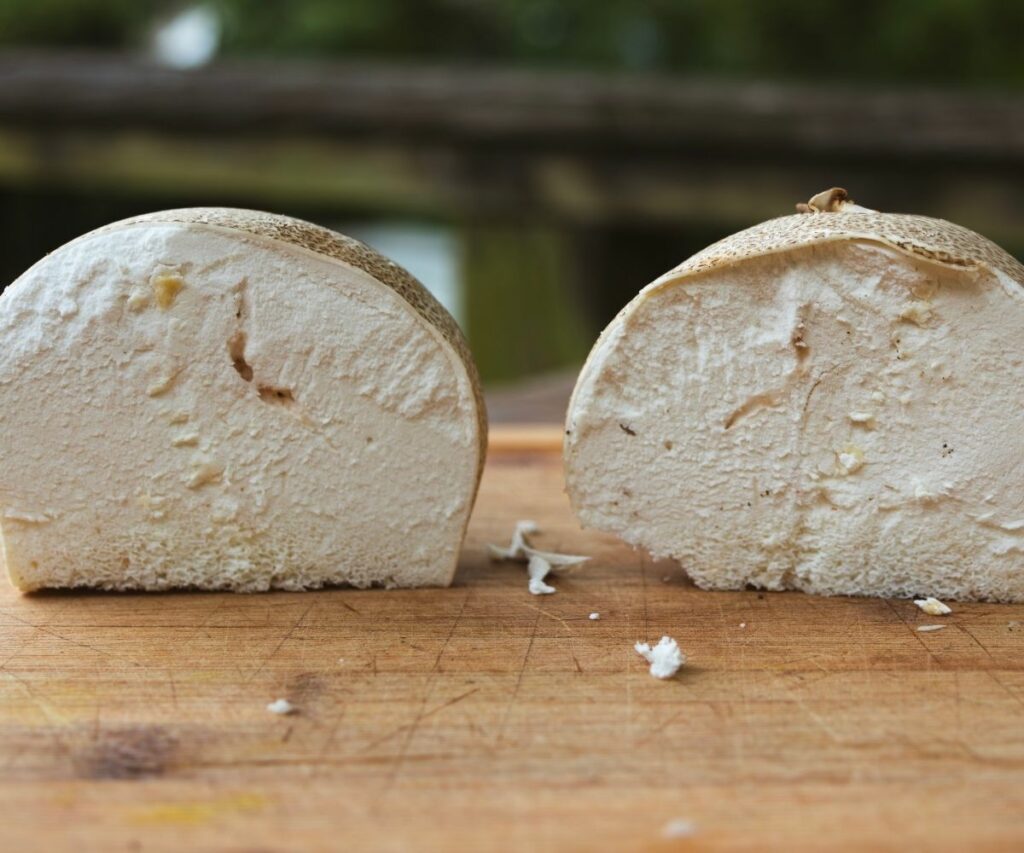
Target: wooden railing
[[541, 172]]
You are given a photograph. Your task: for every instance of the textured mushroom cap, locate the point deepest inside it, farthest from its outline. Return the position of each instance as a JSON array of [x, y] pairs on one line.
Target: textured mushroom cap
[[922, 236]]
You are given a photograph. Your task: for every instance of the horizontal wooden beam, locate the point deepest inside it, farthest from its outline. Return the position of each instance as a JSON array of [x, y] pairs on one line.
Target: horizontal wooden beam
[[576, 149], [502, 107], [389, 178], [207, 169]]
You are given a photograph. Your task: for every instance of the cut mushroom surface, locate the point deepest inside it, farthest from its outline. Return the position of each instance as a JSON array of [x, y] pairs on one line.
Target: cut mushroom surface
[[828, 401], [234, 400]]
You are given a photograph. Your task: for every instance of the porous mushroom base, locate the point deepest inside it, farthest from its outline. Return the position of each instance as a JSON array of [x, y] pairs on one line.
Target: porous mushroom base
[[186, 406], [842, 419]]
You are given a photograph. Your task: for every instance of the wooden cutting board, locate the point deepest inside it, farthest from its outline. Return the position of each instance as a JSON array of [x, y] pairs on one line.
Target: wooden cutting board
[[481, 717]]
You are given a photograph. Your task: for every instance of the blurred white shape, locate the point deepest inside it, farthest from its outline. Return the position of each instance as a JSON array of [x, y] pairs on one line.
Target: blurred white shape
[[429, 252], [189, 39], [680, 827]]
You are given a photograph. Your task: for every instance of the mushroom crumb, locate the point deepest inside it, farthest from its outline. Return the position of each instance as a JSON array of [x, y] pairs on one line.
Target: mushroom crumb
[[539, 563], [516, 549], [680, 827], [537, 569], [665, 658], [924, 629], [594, 617], [933, 607], [743, 624], [280, 706]]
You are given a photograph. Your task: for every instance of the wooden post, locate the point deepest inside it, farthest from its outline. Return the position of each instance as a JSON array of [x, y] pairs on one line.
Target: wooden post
[[521, 314]]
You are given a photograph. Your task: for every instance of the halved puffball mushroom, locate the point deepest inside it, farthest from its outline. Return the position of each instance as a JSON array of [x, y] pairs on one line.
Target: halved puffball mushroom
[[828, 401], [226, 399]]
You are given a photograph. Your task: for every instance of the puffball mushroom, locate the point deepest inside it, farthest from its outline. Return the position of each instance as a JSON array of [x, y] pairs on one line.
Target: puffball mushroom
[[828, 402], [226, 399]]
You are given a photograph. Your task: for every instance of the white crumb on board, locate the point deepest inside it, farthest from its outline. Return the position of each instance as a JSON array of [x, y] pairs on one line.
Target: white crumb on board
[[280, 706], [743, 624], [539, 563], [933, 607], [679, 827], [594, 617], [537, 569], [515, 550], [924, 629], [665, 658]]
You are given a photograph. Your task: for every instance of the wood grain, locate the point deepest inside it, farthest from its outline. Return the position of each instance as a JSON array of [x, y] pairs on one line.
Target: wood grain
[[481, 717]]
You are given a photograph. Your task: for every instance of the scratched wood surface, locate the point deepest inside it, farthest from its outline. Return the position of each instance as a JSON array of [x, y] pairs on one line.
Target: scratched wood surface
[[481, 717]]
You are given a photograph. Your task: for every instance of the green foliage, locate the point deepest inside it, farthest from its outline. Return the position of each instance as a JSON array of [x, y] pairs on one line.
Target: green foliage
[[972, 42], [75, 23], [926, 41], [392, 28]]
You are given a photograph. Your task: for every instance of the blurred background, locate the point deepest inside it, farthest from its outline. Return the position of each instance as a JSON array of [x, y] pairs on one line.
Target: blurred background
[[533, 162]]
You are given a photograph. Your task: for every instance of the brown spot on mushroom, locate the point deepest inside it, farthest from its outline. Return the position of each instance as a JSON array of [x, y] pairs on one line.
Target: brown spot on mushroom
[[280, 396], [236, 350]]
